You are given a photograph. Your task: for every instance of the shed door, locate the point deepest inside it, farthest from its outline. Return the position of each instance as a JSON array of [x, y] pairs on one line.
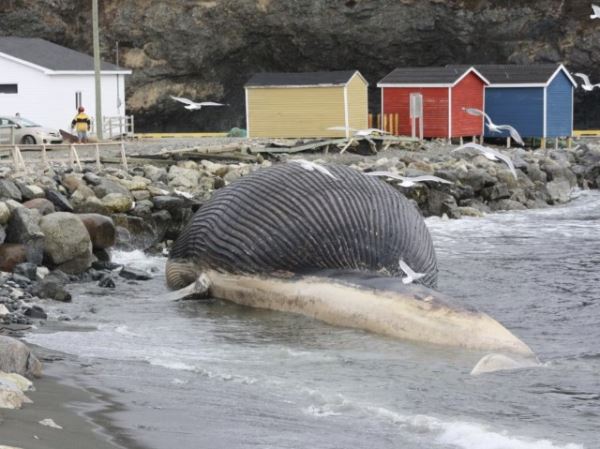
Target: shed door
[[416, 114]]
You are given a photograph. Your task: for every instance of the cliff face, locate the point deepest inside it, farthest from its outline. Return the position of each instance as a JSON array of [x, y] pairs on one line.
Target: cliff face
[[206, 50]]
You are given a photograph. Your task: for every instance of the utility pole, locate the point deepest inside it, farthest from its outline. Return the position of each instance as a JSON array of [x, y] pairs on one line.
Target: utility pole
[[96, 38]]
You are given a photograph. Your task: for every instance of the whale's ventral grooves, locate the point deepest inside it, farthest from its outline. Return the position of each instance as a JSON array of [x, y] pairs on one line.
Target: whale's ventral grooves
[[286, 218]]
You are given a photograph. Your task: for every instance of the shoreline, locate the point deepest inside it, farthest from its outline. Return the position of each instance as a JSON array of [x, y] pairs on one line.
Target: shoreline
[[83, 414]]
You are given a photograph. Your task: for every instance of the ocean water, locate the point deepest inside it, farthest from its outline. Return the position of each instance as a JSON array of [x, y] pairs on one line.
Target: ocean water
[[216, 375]]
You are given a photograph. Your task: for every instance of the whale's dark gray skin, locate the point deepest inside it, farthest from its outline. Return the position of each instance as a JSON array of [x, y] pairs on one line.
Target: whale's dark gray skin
[[288, 219], [328, 246]]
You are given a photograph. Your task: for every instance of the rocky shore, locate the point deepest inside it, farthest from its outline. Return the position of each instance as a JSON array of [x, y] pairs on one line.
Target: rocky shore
[[58, 226]]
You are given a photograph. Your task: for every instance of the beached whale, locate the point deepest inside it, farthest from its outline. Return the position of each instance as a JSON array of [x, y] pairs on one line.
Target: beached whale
[[326, 244]]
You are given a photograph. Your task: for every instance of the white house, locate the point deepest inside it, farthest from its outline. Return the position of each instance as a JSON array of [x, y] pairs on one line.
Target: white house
[[46, 83]]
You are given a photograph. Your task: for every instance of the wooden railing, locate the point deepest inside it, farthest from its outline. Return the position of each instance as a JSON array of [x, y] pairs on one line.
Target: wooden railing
[[52, 153]]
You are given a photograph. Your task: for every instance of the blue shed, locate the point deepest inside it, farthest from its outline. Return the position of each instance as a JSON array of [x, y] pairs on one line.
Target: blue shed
[[537, 100]]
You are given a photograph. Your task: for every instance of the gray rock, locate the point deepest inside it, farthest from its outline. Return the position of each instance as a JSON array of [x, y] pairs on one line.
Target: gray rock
[[2, 235], [478, 179], [107, 282], [141, 232], [59, 200], [155, 174], [183, 177], [133, 274], [92, 178], [497, 192], [106, 187], [559, 191], [24, 225], [505, 204], [29, 270], [16, 357], [9, 190], [168, 203], [36, 312], [117, 202], [66, 239], [50, 288]]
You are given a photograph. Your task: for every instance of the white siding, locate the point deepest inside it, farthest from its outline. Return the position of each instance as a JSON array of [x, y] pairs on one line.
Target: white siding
[[50, 99]]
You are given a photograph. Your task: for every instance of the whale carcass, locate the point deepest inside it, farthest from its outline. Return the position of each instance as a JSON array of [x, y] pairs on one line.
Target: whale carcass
[[297, 240]]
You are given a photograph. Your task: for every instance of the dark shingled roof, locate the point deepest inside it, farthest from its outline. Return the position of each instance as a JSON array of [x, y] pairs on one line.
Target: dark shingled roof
[[300, 79], [516, 74], [512, 73], [48, 55], [425, 75]]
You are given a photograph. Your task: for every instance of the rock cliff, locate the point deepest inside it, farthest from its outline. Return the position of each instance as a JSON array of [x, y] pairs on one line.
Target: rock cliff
[[207, 49]]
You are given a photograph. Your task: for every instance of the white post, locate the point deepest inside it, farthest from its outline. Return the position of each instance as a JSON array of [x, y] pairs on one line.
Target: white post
[[508, 142], [123, 156], [98, 163], [45, 157]]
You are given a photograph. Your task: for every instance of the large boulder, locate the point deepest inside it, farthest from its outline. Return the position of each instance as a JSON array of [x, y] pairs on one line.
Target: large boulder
[[16, 357], [101, 229], [66, 240], [11, 255]]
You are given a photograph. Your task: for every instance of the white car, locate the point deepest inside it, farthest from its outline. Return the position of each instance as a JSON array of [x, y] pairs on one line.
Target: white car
[[27, 132]]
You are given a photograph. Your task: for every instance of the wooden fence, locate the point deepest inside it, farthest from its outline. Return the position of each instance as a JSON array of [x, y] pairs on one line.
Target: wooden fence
[[387, 122]]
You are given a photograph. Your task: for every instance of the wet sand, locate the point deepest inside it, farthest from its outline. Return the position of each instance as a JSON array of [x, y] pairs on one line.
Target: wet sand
[[82, 414]]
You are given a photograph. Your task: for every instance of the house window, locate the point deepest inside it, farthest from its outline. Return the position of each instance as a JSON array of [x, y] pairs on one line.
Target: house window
[[9, 88], [77, 100]]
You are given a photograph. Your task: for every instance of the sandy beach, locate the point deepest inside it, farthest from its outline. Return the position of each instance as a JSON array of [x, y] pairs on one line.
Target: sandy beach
[[82, 414]]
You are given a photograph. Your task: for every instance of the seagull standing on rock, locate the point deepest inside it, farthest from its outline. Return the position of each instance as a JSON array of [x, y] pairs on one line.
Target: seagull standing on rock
[[193, 106], [491, 154], [496, 128], [596, 10]]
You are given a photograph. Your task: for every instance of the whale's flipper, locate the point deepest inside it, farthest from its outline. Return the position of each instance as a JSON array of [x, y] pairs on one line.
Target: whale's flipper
[[500, 362], [197, 289]]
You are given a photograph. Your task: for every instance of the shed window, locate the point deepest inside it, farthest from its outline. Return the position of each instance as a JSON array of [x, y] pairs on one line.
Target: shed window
[[9, 89]]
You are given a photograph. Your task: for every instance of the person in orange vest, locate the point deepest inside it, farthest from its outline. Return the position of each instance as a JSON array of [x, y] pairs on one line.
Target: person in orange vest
[[81, 123]]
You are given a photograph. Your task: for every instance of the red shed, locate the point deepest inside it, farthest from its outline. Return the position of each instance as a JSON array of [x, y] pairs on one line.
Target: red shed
[[459, 87]]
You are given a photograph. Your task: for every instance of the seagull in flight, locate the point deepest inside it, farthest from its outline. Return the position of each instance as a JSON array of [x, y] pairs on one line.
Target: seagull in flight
[[491, 154], [496, 128], [409, 182], [411, 276], [193, 106], [586, 85], [596, 10], [312, 166]]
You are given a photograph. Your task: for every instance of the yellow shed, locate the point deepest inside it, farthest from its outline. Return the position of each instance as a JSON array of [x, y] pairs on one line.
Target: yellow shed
[[281, 105]]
